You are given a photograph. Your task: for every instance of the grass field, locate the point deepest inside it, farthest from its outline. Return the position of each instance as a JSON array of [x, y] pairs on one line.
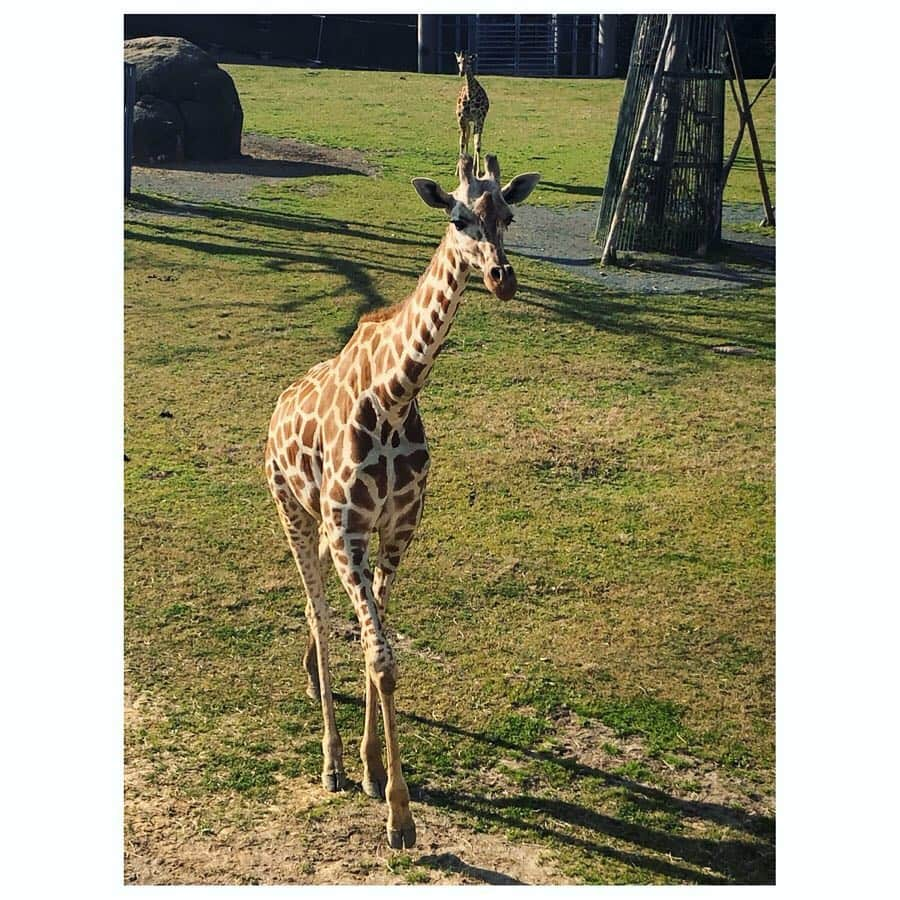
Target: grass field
[[585, 621]]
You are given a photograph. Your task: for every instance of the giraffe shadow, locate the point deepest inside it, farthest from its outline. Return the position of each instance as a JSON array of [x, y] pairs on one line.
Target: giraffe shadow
[[664, 853], [450, 862]]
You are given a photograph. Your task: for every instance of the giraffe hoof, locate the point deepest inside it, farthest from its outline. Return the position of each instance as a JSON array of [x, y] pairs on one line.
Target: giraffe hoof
[[334, 781], [375, 787], [403, 837]]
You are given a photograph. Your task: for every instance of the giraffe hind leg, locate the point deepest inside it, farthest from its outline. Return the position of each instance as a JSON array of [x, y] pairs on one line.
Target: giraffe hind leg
[[303, 536], [311, 664]]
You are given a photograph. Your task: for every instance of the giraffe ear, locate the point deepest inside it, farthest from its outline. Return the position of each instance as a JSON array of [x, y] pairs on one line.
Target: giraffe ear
[[520, 187], [433, 194]]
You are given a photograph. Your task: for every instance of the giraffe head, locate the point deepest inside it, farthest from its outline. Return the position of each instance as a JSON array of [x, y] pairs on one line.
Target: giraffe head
[[480, 213], [464, 61]]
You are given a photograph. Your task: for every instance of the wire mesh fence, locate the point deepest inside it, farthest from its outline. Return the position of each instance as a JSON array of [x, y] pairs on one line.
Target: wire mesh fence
[[674, 201]]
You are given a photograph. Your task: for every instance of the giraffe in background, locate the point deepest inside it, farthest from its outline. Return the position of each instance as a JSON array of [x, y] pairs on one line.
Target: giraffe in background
[[346, 456], [472, 106]]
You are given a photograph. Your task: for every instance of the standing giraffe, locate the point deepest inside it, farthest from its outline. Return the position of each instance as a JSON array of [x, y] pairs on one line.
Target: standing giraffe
[[471, 108], [346, 456]]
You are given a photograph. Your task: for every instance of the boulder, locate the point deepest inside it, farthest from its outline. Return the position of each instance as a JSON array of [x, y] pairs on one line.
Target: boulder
[[186, 106], [158, 131]]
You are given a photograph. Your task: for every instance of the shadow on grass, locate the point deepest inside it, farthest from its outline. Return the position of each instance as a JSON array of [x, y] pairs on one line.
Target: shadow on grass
[[720, 861], [256, 166], [229, 212], [733, 265], [686, 326], [676, 322], [581, 190], [450, 862], [352, 266]]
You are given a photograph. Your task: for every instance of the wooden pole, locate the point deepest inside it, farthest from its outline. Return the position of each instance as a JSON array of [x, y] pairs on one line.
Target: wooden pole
[[609, 247], [748, 115]]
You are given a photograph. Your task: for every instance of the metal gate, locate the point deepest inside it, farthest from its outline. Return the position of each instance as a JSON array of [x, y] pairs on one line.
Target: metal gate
[[567, 46], [515, 45]]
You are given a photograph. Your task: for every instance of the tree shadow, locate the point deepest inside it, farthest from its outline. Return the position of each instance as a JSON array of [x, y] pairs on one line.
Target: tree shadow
[[255, 166], [673, 324], [352, 264], [229, 212], [720, 861]]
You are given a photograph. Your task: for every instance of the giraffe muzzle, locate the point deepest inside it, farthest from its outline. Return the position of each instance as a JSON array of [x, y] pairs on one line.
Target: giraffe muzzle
[[501, 281]]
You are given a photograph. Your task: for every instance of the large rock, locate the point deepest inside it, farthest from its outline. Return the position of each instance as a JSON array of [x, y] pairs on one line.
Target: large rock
[[186, 107]]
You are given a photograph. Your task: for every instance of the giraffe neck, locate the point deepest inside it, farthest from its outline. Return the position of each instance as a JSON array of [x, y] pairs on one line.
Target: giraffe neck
[[422, 323], [471, 83]]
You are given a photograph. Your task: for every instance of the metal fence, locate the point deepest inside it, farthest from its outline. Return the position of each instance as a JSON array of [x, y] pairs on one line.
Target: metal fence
[[675, 195], [523, 45], [130, 85]]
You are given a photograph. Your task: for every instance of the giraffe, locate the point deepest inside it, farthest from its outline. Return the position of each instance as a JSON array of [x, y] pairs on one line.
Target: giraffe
[[346, 457], [471, 107]]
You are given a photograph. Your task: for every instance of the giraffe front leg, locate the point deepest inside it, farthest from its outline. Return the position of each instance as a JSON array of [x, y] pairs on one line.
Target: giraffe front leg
[[465, 136], [401, 829], [374, 773], [350, 554], [478, 152]]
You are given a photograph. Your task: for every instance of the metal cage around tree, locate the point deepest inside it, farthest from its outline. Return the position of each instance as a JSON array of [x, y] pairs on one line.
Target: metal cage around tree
[[673, 194]]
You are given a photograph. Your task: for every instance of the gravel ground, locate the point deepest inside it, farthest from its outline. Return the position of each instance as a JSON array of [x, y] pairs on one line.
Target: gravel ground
[[564, 237], [560, 236]]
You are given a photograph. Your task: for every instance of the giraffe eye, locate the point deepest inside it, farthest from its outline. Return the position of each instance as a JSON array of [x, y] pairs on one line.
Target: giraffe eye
[[460, 224]]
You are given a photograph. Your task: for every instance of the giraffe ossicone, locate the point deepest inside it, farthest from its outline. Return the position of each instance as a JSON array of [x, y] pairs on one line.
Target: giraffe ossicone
[[346, 457]]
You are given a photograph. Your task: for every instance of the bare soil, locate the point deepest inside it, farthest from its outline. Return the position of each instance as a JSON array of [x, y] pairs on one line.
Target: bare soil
[[264, 160], [308, 836]]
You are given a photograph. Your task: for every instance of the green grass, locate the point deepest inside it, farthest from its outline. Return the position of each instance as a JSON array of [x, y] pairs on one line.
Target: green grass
[[406, 124], [598, 542]]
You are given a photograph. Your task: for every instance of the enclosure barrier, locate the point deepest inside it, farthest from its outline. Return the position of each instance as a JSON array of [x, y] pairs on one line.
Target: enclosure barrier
[[663, 187], [130, 86]]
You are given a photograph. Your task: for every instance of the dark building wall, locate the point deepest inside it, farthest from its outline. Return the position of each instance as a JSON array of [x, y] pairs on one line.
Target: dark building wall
[[347, 42], [385, 41], [755, 36]]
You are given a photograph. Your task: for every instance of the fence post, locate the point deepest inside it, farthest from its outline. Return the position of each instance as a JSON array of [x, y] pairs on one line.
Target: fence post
[[606, 28], [130, 82]]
